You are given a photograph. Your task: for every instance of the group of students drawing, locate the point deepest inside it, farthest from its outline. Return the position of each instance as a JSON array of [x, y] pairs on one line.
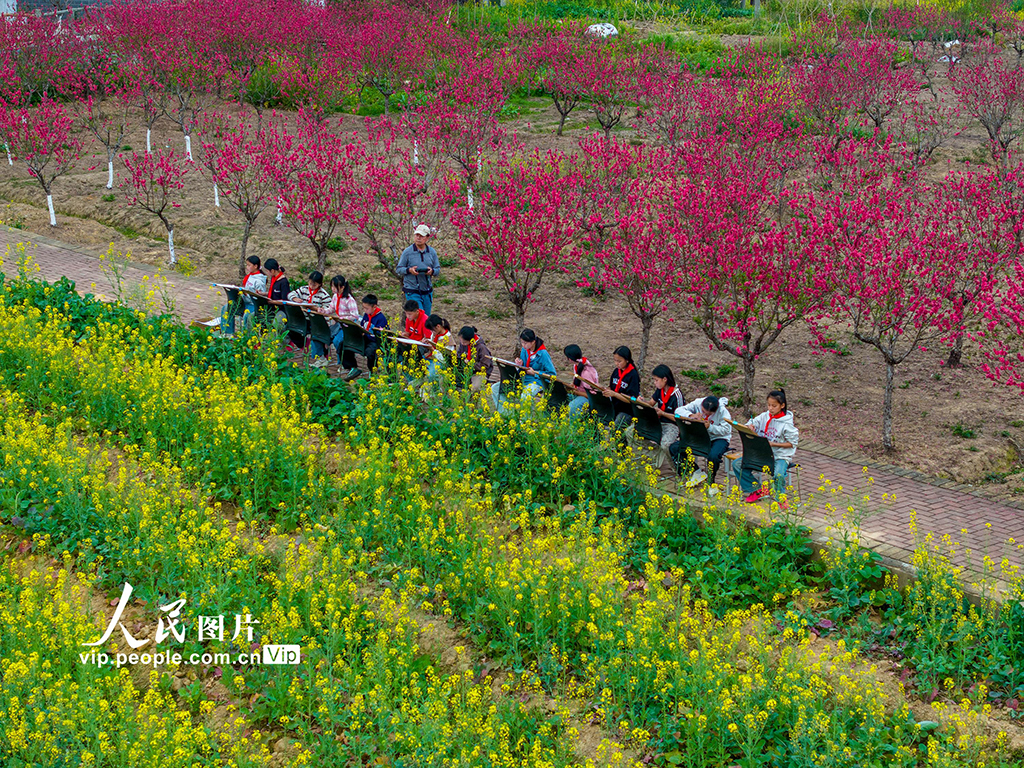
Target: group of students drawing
[[775, 424], [431, 333]]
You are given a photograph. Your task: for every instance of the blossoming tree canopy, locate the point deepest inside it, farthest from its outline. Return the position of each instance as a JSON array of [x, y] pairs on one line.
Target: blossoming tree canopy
[[155, 182], [43, 137], [524, 224]]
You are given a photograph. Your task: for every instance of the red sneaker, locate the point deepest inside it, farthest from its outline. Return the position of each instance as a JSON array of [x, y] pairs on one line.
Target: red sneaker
[[754, 497]]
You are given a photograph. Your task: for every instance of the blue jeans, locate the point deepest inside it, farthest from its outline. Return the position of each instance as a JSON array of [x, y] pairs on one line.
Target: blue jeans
[[577, 404], [317, 348], [433, 369], [337, 340], [530, 392], [746, 477], [719, 448], [247, 310], [347, 360], [425, 300]]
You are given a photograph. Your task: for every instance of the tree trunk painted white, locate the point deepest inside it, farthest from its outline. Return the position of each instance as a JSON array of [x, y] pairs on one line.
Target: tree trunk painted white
[[53, 216], [469, 196], [10, 160], [280, 215], [890, 379], [216, 195], [110, 174], [149, 142], [188, 147], [415, 152], [170, 245]]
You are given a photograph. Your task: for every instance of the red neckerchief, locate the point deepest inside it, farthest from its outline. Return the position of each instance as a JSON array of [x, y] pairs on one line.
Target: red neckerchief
[[581, 364], [529, 357], [369, 317], [273, 279], [768, 423], [666, 397], [434, 336], [337, 303], [622, 375], [471, 348], [247, 276]]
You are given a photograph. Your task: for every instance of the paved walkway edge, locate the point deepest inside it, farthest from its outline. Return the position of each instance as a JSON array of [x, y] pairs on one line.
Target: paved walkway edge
[[896, 560], [911, 474]]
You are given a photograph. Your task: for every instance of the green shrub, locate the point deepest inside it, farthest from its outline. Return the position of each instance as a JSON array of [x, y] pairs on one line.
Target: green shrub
[[698, 53], [263, 89], [962, 430]]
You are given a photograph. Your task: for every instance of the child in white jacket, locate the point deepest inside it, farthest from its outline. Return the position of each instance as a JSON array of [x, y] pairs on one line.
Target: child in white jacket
[[713, 412], [775, 424]]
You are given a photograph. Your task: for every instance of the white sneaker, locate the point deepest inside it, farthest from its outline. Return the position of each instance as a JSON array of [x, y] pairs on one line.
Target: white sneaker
[[698, 477], [319, 362], [713, 491]]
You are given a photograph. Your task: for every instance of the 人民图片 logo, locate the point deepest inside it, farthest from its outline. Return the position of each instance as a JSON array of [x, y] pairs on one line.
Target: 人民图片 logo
[[170, 625]]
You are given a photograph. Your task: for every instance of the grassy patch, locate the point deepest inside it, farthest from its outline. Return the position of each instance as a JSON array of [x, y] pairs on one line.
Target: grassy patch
[[962, 430], [701, 374], [127, 230], [709, 379], [699, 53], [834, 346]]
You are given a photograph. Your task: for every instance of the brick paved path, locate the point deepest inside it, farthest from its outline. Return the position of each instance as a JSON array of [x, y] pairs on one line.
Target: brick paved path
[[942, 507], [977, 524], [194, 299]]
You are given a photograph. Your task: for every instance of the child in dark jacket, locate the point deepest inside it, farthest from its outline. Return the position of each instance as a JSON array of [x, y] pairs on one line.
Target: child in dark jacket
[[472, 350], [665, 401], [625, 381], [373, 320]]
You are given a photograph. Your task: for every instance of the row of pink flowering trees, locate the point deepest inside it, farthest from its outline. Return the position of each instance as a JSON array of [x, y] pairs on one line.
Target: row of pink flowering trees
[[134, 62], [731, 214], [713, 231]]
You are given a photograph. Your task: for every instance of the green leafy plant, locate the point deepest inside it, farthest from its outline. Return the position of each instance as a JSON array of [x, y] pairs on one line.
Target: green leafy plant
[[963, 431], [834, 346]]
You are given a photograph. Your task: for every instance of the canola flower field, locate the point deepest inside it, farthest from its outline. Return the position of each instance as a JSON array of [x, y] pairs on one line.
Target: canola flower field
[[466, 589]]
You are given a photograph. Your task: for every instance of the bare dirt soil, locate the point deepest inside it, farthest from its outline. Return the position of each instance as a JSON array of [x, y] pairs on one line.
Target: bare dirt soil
[[836, 398]]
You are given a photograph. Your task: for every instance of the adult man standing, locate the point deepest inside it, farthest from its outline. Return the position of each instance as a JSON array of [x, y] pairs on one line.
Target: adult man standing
[[418, 266]]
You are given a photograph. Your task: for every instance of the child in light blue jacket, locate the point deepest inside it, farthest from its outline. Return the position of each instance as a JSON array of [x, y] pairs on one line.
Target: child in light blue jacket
[[535, 359]]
